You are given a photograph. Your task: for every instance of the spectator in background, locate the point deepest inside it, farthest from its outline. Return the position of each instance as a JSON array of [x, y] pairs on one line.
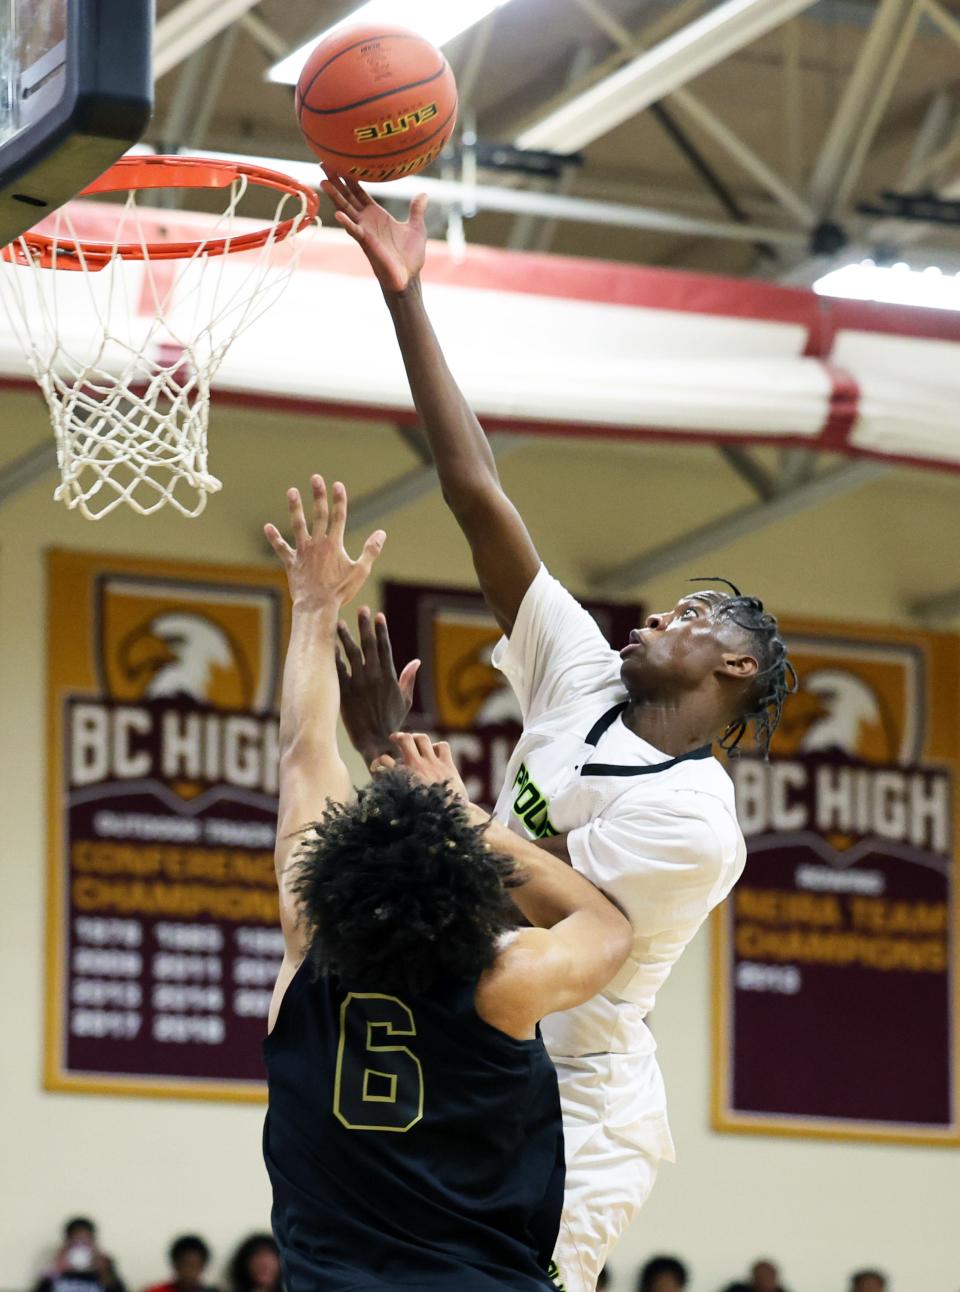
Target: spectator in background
[[663, 1274], [764, 1277], [189, 1256], [80, 1265], [255, 1266], [868, 1281]]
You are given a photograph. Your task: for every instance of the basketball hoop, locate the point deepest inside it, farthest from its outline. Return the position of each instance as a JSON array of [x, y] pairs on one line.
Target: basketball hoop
[[129, 391]]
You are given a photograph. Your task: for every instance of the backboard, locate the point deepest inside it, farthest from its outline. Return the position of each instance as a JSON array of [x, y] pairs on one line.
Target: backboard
[[75, 92]]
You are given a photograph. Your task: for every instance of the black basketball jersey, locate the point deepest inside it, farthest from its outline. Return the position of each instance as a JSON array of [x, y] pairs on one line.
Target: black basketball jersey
[[409, 1143]]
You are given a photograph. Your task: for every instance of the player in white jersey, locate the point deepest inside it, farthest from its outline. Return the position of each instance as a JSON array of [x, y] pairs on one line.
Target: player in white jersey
[[613, 771]]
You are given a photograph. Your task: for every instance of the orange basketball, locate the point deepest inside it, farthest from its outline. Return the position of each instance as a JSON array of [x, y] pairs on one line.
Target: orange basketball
[[376, 103]]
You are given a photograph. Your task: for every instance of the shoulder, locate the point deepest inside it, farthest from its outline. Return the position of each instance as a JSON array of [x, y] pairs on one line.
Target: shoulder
[[546, 603]]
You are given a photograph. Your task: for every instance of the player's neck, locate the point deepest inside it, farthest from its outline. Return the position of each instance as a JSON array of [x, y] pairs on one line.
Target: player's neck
[[674, 727]]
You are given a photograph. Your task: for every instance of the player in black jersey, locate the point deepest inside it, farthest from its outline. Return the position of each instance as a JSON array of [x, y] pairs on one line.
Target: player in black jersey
[[413, 1137]]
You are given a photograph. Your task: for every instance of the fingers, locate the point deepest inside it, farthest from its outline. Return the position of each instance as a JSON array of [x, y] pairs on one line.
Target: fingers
[[408, 750], [359, 195], [278, 543], [371, 550], [423, 744], [418, 210], [339, 194], [297, 519], [343, 673], [384, 647], [338, 513], [408, 680], [356, 231], [368, 643], [383, 764], [444, 753], [320, 506], [350, 648]]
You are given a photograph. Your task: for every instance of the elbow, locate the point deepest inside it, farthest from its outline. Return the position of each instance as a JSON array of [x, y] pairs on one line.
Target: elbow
[[471, 494], [622, 943]]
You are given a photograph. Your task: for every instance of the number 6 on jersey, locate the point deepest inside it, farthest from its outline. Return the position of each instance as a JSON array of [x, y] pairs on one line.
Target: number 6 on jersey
[[378, 1084]]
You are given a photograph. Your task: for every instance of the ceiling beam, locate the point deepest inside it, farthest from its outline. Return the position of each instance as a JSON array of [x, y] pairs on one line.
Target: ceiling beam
[[749, 469], [26, 470], [792, 89], [948, 24], [749, 161], [927, 142], [659, 71], [191, 25], [879, 102], [708, 122], [266, 37], [854, 106], [936, 609], [372, 508], [719, 533], [488, 197]]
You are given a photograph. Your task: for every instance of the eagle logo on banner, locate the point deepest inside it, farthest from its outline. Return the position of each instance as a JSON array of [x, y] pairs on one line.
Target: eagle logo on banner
[[215, 648], [188, 676], [861, 702], [470, 692]]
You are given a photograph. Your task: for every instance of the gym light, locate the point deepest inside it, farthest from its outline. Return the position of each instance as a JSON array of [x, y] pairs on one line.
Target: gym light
[[437, 20], [893, 284]]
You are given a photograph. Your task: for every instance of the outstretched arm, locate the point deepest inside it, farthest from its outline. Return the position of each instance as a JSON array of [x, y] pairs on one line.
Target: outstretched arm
[[321, 577], [504, 556]]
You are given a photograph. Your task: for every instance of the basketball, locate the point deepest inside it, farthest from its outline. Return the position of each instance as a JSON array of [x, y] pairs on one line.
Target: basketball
[[376, 103]]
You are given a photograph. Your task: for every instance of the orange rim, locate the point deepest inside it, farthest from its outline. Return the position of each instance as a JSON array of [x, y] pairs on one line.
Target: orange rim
[[136, 173]]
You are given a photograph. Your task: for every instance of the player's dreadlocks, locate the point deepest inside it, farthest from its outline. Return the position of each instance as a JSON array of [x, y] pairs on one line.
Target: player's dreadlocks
[[399, 888], [776, 677]]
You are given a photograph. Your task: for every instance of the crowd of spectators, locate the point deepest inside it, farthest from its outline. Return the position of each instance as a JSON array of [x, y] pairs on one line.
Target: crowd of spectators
[[81, 1265], [670, 1274]]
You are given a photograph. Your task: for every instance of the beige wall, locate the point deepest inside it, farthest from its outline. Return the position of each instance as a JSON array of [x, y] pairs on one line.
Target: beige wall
[[148, 1169]]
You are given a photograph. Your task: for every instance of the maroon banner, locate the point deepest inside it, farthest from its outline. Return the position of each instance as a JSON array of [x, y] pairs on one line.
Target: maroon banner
[[164, 925], [836, 952]]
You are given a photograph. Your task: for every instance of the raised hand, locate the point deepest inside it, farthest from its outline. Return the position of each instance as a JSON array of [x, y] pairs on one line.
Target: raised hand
[[373, 700], [319, 570], [428, 762], [396, 250]]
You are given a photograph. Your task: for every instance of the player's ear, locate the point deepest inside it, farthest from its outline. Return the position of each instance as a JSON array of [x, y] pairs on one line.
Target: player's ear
[[741, 667]]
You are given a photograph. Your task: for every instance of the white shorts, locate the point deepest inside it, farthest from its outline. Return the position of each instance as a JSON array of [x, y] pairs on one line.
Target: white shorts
[[612, 1164]]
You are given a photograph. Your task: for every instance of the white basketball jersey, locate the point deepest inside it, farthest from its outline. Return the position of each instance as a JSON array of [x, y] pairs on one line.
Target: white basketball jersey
[[659, 834]]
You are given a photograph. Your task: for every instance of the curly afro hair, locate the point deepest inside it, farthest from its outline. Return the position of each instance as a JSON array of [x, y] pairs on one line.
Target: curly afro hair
[[399, 888]]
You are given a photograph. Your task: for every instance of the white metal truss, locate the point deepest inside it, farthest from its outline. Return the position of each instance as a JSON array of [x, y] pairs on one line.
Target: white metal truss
[[659, 71], [26, 470], [855, 105], [708, 122], [417, 483], [488, 197], [719, 533], [185, 29]]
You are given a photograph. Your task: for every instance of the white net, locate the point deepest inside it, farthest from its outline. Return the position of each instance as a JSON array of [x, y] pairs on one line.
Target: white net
[[128, 387]]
